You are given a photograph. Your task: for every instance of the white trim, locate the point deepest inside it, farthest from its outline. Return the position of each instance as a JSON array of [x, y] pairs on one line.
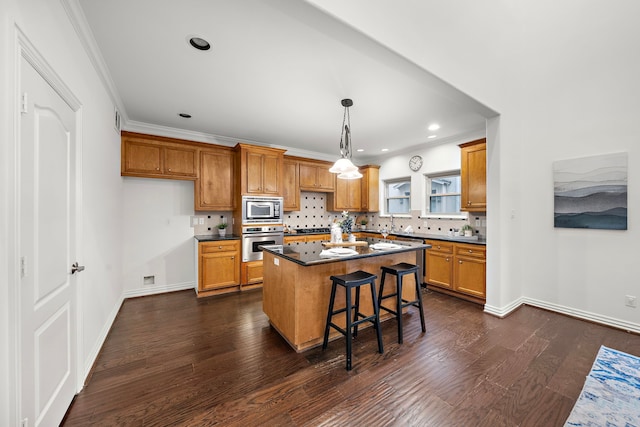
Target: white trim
[[584, 315], [161, 289], [503, 311], [92, 356], [562, 309], [85, 35]]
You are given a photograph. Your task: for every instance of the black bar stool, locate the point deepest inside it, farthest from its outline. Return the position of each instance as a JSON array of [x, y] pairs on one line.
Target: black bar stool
[[350, 281], [400, 270]]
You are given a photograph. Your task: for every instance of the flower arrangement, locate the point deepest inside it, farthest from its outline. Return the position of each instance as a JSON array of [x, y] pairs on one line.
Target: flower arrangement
[[346, 223]]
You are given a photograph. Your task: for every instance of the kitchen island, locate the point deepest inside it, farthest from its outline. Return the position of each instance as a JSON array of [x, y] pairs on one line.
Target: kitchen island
[[296, 287]]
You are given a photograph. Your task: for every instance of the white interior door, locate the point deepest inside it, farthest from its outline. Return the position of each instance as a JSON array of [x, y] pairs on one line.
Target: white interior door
[[48, 324]]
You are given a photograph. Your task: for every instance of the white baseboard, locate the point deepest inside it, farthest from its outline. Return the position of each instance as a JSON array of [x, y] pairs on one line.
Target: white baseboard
[[97, 345], [503, 311], [93, 354], [152, 290], [585, 315], [569, 311]]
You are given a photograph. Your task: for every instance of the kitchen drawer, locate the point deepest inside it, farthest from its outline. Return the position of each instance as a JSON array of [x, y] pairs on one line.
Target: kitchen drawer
[[476, 251], [440, 246], [317, 237], [219, 246], [292, 239]]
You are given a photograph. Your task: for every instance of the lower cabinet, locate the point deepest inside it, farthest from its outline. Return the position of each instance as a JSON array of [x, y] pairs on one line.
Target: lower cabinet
[[457, 269], [218, 267], [251, 274]]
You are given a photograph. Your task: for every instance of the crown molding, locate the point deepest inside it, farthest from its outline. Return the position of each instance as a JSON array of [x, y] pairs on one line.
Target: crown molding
[[85, 35]]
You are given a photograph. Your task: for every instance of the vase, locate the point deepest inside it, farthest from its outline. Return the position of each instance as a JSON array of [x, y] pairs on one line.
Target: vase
[[222, 232], [336, 235], [352, 238]]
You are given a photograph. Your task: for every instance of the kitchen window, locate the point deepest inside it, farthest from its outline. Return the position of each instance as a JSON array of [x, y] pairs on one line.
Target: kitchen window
[[443, 195], [397, 196]]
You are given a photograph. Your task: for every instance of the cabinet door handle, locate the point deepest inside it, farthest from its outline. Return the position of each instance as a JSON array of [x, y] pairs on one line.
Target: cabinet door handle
[[447, 259], [470, 251], [219, 247], [169, 169], [459, 262], [157, 169]]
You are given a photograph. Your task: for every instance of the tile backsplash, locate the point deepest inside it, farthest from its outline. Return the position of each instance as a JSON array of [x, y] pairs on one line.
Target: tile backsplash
[[313, 214]]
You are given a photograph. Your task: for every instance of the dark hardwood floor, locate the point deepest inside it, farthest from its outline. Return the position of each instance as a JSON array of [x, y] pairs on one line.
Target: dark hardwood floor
[[174, 360]]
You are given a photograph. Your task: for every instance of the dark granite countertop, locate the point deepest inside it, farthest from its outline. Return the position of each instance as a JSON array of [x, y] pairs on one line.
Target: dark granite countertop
[[420, 236], [312, 253], [215, 237]]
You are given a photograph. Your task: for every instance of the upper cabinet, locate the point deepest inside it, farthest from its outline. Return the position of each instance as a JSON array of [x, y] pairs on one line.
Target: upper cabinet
[[473, 175], [370, 199], [214, 188], [157, 157], [291, 184], [360, 195], [260, 170], [315, 176], [347, 197]]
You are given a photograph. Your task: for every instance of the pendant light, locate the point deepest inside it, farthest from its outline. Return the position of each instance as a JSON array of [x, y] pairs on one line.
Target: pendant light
[[343, 166]]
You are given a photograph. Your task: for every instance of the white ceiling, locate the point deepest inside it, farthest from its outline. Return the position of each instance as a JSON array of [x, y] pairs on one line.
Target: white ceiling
[[275, 75]]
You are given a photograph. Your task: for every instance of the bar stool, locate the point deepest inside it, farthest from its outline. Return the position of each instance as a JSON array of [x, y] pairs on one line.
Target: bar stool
[[350, 281], [400, 270]]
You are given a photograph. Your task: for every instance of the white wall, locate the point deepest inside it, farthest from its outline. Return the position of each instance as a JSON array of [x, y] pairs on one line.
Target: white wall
[[563, 76], [443, 157], [45, 24], [157, 237]]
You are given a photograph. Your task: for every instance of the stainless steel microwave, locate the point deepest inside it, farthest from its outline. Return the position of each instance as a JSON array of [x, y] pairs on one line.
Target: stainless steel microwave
[[262, 210]]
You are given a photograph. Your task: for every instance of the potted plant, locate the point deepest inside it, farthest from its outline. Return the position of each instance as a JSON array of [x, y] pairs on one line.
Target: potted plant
[[222, 229], [363, 223], [466, 230]]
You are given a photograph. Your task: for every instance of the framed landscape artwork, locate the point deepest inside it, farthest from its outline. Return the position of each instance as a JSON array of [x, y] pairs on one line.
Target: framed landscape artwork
[[591, 192]]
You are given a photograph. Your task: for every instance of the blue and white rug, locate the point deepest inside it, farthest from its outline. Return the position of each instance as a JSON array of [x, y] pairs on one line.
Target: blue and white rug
[[611, 392]]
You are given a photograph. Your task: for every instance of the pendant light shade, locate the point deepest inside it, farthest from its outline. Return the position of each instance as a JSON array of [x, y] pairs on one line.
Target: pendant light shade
[[344, 167], [350, 175]]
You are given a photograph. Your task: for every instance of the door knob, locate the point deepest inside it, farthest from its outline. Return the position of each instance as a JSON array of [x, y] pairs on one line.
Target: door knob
[[75, 268]]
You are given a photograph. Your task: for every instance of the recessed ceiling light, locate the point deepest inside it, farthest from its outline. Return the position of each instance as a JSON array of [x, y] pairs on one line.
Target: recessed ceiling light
[[360, 150], [431, 136], [200, 44], [185, 115], [385, 149], [434, 126]]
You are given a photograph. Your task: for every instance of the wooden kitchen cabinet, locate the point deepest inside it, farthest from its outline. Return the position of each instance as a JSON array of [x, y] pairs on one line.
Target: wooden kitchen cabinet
[[347, 197], [370, 188], [359, 195], [218, 267], [315, 176], [439, 264], [214, 188], [151, 156], [291, 185], [457, 269], [259, 170], [251, 275], [469, 275], [473, 176]]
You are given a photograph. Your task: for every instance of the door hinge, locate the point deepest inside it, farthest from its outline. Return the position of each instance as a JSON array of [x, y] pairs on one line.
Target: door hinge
[[23, 267], [24, 108]]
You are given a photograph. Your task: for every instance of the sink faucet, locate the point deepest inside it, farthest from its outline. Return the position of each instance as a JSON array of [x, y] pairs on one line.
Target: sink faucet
[[393, 226]]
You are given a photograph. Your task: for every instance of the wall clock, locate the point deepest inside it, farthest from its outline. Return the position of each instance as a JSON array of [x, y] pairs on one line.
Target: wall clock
[[415, 163]]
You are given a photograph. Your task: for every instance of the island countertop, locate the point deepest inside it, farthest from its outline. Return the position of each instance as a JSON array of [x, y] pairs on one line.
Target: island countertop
[[297, 285], [316, 252]]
